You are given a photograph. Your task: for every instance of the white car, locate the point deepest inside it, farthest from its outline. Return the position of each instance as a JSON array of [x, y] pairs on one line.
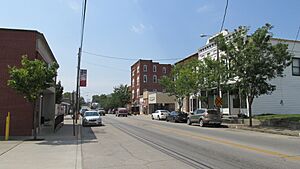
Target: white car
[[91, 118], [160, 114]]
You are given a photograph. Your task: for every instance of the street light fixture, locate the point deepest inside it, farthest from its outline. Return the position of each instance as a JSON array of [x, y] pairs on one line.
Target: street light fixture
[[218, 59]]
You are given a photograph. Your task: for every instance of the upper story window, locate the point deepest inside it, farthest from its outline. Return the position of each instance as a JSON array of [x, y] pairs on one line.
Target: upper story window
[[138, 81], [164, 70], [145, 68], [145, 79], [132, 94], [132, 73], [132, 82], [138, 69], [296, 67], [154, 68], [154, 79]]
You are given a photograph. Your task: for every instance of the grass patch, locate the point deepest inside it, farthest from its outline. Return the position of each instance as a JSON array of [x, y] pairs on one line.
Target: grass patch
[[289, 117]]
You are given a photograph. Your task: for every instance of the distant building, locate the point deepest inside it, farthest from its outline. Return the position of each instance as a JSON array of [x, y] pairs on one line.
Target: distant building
[[145, 75], [13, 44]]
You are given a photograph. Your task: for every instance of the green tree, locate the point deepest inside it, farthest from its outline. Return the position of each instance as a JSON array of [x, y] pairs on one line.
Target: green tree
[[121, 95], [31, 79], [183, 80], [58, 93], [254, 61]]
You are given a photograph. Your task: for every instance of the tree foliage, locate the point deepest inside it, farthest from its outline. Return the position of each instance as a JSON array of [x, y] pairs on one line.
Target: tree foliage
[[59, 89], [254, 61], [32, 77], [119, 98]]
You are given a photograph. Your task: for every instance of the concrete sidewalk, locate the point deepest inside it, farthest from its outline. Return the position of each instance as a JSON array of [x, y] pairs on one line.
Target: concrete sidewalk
[[57, 150]]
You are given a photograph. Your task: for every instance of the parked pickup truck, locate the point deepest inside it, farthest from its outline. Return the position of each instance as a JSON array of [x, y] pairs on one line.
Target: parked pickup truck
[[122, 112]]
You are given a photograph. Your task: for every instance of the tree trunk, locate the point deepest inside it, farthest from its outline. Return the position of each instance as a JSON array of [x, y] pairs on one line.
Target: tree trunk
[[250, 100], [34, 120]]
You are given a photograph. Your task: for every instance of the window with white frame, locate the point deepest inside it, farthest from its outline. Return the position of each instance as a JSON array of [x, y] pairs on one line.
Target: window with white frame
[[145, 79], [296, 67], [137, 92], [154, 68], [138, 81], [154, 79], [164, 69], [132, 93], [138, 69], [132, 82], [145, 68]]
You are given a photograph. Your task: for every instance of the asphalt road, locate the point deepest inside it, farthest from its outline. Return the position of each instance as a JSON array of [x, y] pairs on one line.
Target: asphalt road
[[139, 142]]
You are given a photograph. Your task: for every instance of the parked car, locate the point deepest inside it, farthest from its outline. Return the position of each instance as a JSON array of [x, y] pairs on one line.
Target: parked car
[[91, 118], [160, 114], [177, 116], [122, 112], [205, 116], [101, 112], [83, 110]]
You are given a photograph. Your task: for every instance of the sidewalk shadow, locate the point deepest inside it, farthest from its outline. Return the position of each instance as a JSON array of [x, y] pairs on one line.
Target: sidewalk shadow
[[65, 136]]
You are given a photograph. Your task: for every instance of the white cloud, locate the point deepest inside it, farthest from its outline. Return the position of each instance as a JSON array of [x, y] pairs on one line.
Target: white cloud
[[74, 5], [204, 8], [139, 29]]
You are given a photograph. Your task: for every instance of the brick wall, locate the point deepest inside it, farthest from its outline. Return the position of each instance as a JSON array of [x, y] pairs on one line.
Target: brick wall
[[14, 44]]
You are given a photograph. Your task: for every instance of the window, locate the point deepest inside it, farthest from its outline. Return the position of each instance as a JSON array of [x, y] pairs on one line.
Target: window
[[164, 70], [137, 92], [145, 79], [154, 68], [132, 72], [138, 69], [132, 94], [138, 81], [154, 79], [145, 68], [132, 82], [296, 67]]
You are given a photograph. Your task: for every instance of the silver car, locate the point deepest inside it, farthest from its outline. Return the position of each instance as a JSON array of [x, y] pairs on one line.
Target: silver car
[[91, 118]]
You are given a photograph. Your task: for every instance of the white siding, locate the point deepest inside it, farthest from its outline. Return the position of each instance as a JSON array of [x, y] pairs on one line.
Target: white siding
[[287, 90]]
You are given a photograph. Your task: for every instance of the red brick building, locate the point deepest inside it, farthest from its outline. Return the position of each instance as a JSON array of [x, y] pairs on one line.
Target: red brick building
[[145, 76], [13, 44]]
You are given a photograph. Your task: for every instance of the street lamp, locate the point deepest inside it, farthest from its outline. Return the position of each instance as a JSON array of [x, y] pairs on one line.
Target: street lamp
[[218, 59]]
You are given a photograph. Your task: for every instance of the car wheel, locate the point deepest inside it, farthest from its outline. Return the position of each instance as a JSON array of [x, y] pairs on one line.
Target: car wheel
[[167, 120], [158, 117], [152, 117], [201, 123], [188, 121]]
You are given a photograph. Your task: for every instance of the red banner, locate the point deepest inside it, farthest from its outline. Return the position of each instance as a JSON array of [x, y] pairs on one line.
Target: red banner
[[83, 77]]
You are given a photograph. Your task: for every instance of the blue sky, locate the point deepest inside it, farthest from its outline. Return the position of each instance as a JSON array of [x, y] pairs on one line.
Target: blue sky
[[133, 29]]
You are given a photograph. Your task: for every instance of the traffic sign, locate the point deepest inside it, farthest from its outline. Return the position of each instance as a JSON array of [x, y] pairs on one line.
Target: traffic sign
[[218, 101]]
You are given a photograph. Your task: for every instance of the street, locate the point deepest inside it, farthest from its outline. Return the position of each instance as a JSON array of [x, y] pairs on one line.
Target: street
[[139, 142]]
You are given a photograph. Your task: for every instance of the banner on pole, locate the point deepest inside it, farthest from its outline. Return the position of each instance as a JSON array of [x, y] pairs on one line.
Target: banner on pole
[[83, 77]]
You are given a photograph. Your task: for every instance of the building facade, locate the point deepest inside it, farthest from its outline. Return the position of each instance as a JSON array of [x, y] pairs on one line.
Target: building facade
[[145, 75], [13, 44], [284, 100]]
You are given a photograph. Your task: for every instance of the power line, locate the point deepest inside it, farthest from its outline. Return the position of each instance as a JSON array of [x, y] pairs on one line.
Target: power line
[[296, 39], [129, 59], [225, 12], [105, 66]]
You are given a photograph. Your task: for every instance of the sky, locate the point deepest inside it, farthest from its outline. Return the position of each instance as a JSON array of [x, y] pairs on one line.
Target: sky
[[161, 30]]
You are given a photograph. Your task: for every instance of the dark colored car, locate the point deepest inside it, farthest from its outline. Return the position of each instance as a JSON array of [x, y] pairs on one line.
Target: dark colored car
[[205, 116], [177, 116]]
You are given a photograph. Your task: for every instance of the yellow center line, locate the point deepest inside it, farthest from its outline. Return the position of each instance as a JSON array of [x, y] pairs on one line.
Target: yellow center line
[[221, 141]]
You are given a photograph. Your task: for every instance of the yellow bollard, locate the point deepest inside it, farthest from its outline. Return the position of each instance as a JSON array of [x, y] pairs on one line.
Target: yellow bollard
[[7, 126]]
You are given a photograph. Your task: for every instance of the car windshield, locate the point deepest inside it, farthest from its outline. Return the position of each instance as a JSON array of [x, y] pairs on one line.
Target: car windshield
[[91, 113]]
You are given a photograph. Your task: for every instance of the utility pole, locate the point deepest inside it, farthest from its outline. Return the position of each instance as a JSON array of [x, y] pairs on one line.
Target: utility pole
[[78, 66]]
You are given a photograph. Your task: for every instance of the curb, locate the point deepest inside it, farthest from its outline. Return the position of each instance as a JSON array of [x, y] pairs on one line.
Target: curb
[[239, 127]]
